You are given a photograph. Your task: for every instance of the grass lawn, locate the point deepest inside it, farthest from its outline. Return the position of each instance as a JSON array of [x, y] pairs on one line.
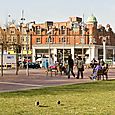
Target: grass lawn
[[97, 98]]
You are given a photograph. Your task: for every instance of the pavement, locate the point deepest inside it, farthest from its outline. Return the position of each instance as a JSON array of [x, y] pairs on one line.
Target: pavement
[[38, 79]]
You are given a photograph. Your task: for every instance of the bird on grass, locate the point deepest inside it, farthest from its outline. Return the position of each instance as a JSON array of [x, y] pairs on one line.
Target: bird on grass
[[37, 103], [58, 102]]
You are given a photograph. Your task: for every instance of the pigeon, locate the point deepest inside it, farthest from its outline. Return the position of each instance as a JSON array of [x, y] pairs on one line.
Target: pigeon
[[58, 102], [37, 103]]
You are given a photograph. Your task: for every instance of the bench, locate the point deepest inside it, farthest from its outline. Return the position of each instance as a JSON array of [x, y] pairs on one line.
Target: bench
[[102, 72], [52, 69]]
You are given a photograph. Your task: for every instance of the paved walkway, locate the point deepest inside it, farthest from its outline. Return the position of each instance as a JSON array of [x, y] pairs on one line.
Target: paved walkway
[[37, 79]]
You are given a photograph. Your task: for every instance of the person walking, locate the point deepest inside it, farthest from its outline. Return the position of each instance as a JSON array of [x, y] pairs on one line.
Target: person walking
[[80, 68], [70, 66]]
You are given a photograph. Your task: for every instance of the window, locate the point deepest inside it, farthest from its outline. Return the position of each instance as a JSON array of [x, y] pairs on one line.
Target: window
[[53, 40], [63, 31], [38, 31], [24, 30], [22, 39], [9, 39], [67, 40], [59, 40], [14, 39], [49, 40], [63, 39], [37, 40], [12, 32], [10, 48]]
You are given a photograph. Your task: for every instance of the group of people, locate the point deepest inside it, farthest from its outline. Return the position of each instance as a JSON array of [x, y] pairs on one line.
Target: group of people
[[80, 67], [98, 66], [79, 64]]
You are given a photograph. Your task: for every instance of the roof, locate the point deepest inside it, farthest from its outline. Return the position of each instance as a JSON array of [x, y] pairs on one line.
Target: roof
[[92, 19]]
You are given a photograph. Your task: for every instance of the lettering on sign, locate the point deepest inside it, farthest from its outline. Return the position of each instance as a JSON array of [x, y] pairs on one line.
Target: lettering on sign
[[10, 57]]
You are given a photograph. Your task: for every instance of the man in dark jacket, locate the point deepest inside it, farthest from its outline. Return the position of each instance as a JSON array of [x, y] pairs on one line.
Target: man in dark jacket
[[70, 66]]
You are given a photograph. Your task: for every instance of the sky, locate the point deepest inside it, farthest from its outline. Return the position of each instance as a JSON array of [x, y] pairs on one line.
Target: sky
[[58, 10]]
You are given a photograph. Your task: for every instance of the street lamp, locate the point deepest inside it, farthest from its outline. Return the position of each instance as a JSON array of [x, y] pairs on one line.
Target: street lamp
[[104, 48], [104, 38], [82, 24], [82, 41], [90, 41], [27, 70], [49, 33], [27, 45], [22, 37], [63, 40], [49, 40]]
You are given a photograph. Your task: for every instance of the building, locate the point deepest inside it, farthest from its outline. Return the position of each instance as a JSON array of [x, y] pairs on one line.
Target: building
[[57, 40], [60, 39], [17, 40]]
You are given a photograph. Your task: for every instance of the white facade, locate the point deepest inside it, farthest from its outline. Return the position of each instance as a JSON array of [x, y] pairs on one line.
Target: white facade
[[92, 51]]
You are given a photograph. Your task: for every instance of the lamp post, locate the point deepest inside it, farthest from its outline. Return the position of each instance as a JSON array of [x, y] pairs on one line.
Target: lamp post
[[82, 39], [49, 33], [49, 40], [27, 70], [104, 48], [22, 37], [17, 63], [82, 49], [90, 41], [27, 45], [82, 24], [104, 38], [63, 40], [22, 33]]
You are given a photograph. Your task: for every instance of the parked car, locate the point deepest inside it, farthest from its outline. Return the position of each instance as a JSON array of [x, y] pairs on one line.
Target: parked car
[[32, 65]]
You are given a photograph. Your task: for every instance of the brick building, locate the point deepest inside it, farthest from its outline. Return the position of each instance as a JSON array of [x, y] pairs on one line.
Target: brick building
[[61, 39]]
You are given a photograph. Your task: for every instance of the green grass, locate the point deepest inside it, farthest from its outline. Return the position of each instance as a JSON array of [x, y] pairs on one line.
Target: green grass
[[97, 98]]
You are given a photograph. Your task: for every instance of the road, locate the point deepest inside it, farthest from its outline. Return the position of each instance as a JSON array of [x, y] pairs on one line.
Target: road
[[37, 79]]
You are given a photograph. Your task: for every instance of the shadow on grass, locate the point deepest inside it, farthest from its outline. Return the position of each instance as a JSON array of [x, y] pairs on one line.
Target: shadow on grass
[[43, 106]]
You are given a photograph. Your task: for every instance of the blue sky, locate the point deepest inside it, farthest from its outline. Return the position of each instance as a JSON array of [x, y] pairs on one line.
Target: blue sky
[[58, 10]]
